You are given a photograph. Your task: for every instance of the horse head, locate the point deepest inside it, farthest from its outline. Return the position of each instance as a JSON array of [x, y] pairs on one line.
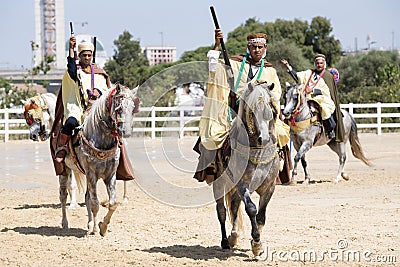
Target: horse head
[[294, 99], [34, 117], [256, 112], [123, 103]]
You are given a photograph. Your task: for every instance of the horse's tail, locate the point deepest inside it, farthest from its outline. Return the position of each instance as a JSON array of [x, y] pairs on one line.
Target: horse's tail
[[80, 179], [355, 144], [228, 197]]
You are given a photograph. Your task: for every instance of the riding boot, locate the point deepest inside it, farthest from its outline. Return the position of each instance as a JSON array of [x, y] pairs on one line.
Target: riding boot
[[329, 126], [62, 149]]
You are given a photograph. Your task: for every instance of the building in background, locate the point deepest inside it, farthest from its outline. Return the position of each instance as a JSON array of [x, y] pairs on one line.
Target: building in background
[[159, 54], [49, 32]]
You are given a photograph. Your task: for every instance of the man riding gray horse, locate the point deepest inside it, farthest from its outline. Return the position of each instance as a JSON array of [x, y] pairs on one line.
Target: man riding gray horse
[[320, 87]]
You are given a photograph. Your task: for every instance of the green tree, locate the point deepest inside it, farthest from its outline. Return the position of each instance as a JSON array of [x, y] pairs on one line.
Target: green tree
[[11, 97], [128, 66]]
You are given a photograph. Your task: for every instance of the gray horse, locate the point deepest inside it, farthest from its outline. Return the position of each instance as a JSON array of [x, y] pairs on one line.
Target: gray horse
[[306, 131], [98, 153], [253, 166]]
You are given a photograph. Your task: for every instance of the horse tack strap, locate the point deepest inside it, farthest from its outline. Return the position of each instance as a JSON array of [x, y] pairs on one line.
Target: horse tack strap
[[257, 155], [99, 154], [300, 126], [74, 157]]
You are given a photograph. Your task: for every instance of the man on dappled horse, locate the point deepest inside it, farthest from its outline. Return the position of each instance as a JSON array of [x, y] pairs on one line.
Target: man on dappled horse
[[82, 84], [216, 117], [320, 86]]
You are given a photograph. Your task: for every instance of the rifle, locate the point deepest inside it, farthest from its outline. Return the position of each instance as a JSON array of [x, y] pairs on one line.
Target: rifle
[[232, 94], [94, 50], [72, 34]]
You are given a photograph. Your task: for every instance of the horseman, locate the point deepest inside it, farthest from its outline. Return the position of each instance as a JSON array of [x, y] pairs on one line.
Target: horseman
[[82, 84], [320, 86], [216, 118]]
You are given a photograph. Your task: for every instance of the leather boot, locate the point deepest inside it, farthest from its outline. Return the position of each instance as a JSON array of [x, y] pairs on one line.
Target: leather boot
[[61, 150]]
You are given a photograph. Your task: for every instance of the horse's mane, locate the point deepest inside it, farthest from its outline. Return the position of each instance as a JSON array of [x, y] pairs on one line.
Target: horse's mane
[[97, 111]]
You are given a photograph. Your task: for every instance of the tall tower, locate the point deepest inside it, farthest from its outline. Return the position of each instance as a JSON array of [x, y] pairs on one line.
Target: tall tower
[[50, 32]]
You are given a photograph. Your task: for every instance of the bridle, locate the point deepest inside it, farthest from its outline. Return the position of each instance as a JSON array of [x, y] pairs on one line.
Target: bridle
[[34, 112]]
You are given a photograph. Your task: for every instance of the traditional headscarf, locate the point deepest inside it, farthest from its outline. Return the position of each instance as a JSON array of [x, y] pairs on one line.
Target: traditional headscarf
[[256, 38], [85, 46], [318, 57]]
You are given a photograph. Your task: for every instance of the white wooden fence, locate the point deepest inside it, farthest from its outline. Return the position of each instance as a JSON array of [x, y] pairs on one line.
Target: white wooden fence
[[181, 120]]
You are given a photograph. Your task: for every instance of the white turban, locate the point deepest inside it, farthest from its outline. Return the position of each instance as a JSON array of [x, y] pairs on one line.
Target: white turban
[[85, 46]]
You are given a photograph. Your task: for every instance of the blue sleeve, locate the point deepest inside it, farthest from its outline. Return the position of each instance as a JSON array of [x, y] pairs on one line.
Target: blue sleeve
[[72, 69]]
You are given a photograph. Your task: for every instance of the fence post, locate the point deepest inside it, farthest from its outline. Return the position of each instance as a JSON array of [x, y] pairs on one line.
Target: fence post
[[379, 117], [351, 109], [181, 123], [153, 123], [6, 125]]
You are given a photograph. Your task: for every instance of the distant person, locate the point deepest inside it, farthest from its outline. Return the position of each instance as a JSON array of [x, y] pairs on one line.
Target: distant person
[[320, 86]]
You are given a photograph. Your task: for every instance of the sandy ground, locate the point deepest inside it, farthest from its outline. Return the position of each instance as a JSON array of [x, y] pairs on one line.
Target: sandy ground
[[354, 223]]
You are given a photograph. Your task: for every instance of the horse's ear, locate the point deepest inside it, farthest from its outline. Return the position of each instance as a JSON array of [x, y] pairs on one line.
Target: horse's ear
[[118, 88], [134, 90]]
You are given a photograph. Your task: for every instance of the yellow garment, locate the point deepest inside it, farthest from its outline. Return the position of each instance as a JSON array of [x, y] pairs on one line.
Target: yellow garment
[[71, 94], [325, 101], [214, 125]]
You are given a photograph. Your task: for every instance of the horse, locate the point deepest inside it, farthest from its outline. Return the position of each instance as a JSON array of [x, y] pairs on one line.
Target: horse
[[306, 132], [39, 113], [252, 166], [98, 153]]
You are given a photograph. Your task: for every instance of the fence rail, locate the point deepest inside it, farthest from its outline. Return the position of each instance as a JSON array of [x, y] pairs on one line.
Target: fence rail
[[181, 120]]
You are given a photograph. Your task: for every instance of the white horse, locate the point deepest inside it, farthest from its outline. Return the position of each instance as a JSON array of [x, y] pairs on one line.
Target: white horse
[[306, 131], [39, 112], [96, 153]]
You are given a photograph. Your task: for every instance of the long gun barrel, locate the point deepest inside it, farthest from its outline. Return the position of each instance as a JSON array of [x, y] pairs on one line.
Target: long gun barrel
[[94, 50], [232, 94], [72, 34]]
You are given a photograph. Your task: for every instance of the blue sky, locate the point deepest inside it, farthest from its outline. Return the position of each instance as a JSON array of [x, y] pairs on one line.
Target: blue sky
[[188, 24]]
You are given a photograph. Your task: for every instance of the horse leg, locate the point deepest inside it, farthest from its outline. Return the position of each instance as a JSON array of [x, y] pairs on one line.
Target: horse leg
[[125, 197], [306, 173], [236, 219], [251, 210], [112, 206], [62, 179], [72, 188], [265, 197], [221, 213], [92, 203], [305, 146], [340, 150]]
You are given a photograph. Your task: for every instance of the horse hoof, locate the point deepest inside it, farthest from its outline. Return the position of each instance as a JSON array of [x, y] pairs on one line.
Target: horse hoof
[[103, 228], [225, 244], [306, 181], [345, 176], [233, 239], [256, 248]]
